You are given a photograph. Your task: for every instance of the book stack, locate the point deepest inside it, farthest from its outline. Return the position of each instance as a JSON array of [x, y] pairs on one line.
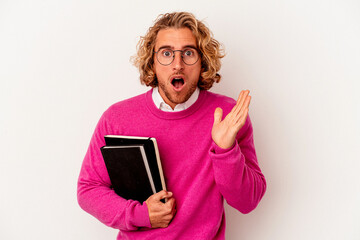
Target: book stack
[[134, 166]]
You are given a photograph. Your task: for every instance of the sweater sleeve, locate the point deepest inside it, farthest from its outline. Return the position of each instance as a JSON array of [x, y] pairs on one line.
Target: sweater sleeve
[[237, 173], [95, 195]]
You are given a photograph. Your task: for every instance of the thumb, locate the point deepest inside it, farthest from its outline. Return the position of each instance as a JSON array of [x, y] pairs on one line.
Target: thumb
[[162, 194], [218, 115]]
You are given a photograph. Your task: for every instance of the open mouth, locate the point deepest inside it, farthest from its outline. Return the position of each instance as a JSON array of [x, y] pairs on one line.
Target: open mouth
[[178, 83]]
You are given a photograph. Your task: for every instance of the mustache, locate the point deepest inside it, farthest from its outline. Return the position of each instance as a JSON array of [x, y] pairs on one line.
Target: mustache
[[178, 73]]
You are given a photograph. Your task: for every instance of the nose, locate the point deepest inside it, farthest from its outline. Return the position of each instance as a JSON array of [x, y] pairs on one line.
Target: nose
[[178, 63]]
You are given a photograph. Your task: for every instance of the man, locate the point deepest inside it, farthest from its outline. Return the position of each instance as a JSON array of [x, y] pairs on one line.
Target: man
[[206, 158]]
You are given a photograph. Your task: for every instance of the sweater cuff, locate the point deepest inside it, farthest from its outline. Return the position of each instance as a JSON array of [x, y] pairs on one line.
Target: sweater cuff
[[218, 150], [141, 216]]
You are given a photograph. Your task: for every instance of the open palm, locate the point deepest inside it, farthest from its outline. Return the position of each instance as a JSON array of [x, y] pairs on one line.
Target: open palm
[[224, 131]]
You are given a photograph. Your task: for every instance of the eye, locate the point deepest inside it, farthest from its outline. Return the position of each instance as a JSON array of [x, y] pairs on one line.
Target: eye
[[189, 52], [166, 53]]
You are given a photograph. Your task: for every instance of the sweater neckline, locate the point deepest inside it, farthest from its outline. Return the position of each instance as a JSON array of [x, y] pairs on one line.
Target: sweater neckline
[[174, 115]]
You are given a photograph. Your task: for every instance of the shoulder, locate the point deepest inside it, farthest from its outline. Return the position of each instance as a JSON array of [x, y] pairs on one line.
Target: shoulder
[[219, 100], [127, 106]]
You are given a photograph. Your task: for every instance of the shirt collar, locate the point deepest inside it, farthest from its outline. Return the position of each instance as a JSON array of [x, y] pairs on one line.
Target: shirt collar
[[160, 103]]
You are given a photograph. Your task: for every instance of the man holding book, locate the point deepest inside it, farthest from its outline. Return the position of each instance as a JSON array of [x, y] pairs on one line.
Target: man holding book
[[205, 140]]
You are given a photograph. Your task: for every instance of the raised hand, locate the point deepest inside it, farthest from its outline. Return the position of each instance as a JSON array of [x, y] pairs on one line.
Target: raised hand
[[160, 213], [224, 132]]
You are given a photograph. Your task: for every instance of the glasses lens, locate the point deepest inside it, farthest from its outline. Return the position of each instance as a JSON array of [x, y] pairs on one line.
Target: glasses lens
[[165, 56], [190, 56]]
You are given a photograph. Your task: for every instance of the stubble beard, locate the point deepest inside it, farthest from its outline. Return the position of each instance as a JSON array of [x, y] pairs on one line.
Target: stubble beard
[[178, 98]]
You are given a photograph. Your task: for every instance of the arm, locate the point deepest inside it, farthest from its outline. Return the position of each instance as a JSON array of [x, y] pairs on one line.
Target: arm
[[236, 170], [97, 198], [95, 195]]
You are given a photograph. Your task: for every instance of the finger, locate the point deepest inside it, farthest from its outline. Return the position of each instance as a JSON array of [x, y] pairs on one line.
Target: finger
[[244, 96], [161, 195], [240, 97], [241, 121], [246, 104], [171, 203], [168, 195], [170, 206], [218, 115], [247, 101], [235, 108], [240, 102]]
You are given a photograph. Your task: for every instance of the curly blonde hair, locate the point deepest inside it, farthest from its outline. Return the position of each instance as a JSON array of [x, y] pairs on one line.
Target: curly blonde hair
[[210, 49]]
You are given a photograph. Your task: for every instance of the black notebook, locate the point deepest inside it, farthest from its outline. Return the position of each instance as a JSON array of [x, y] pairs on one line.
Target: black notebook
[[134, 166]]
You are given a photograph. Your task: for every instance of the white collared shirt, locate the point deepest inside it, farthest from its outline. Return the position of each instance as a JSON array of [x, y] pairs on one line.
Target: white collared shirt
[[160, 103]]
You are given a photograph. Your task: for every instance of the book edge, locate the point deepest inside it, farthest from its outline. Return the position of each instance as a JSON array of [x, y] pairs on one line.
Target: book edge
[[142, 150], [126, 137], [159, 163]]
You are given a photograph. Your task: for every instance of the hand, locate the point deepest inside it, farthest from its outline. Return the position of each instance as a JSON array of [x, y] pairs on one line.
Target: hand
[[160, 213], [224, 132]]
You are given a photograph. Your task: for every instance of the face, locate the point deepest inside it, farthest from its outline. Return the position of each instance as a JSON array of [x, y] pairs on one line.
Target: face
[[177, 81]]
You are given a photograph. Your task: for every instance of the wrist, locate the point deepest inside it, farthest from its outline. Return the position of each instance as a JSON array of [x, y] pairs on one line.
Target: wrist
[[141, 214], [219, 149]]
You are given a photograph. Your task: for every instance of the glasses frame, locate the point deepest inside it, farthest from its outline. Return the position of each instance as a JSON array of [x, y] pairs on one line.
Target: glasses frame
[[182, 58]]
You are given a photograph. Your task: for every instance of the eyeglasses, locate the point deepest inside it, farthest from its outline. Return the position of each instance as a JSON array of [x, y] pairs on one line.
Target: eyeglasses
[[166, 56]]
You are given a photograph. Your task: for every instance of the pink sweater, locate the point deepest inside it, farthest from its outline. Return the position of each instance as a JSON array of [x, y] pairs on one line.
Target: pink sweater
[[199, 173]]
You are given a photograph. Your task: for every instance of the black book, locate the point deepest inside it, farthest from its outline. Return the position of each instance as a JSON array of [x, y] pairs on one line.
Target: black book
[[134, 166]]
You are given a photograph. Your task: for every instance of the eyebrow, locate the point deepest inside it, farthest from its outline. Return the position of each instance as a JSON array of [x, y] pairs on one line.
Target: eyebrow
[[186, 46]]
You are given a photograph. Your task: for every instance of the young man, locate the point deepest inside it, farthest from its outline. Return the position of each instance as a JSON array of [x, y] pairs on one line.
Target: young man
[[206, 157]]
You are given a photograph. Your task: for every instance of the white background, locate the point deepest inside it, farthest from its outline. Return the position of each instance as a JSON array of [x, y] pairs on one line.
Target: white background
[[62, 63]]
